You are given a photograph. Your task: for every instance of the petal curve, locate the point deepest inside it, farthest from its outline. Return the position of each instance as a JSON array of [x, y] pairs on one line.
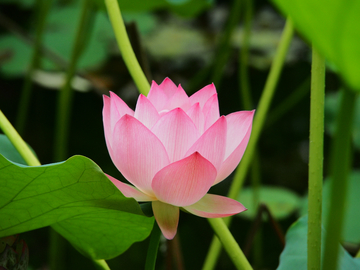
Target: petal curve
[[145, 112], [130, 191], [137, 153], [177, 132], [215, 206], [167, 217], [157, 96], [211, 145], [184, 182], [238, 135], [203, 95]]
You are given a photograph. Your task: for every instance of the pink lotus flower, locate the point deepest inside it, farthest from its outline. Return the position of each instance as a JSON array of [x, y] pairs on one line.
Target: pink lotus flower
[[173, 148]]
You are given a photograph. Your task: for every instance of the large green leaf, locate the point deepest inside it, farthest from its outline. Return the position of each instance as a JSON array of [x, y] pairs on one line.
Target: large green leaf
[[280, 201], [351, 228], [77, 199], [334, 29], [294, 256]]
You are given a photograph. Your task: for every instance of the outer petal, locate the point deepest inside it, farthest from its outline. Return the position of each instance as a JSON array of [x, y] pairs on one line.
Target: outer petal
[[145, 112], [203, 95], [168, 87], [211, 145], [197, 117], [184, 182], [130, 191], [107, 122], [167, 217], [211, 111], [137, 153], [215, 206], [177, 133], [119, 107], [114, 109], [238, 134], [157, 96], [178, 100]]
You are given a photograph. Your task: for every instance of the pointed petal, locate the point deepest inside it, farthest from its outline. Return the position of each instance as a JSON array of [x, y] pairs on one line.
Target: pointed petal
[[238, 133], [130, 191], [177, 133], [211, 145], [197, 117], [157, 96], [178, 100], [107, 122], [184, 182], [203, 95], [215, 206], [211, 111], [168, 87], [137, 153], [145, 112], [119, 107], [167, 217]]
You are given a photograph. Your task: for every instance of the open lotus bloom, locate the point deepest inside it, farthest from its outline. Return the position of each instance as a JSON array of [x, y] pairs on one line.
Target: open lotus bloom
[[173, 148]]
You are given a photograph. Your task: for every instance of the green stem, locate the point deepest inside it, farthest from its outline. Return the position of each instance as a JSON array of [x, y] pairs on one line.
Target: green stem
[[224, 50], [43, 10], [258, 124], [244, 57], [289, 103], [153, 248], [263, 108], [357, 254], [101, 265], [66, 93], [229, 243], [125, 47], [316, 155], [340, 166], [17, 141]]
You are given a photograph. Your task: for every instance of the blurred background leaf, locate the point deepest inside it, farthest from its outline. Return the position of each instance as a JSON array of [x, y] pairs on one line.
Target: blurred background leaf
[[332, 26], [294, 255], [351, 232]]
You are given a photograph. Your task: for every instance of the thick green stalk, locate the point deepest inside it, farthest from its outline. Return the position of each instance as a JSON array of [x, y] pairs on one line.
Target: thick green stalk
[[229, 243], [66, 93], [43, 9], [340, 166], [17, 141], [263, 108], [316, 156], [258, 124], [125, 47], [101, 265], [25, 152], [153, 248]]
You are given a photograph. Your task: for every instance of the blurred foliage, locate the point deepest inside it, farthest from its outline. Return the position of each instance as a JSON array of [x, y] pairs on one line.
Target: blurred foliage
[[332, 103], [280, 201], [294, 255], [351, 232]]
